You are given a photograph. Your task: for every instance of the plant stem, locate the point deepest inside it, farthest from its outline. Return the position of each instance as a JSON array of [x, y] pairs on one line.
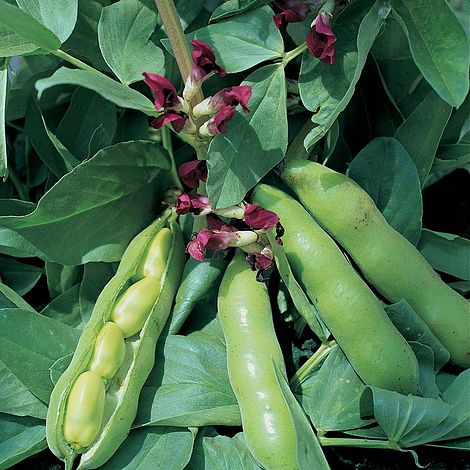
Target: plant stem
[[171, 22], [296, 148], [18, 184], [351, 442], [318, 356], [73, 60], [168, 146], [294, 53]]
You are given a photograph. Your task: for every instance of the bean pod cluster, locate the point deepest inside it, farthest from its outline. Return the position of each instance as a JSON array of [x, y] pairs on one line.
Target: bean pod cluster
[[95, 401]]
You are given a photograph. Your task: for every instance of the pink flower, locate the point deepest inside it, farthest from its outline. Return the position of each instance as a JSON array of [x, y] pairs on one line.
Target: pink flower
[[219, 123], [291, 12], [204, 61], [320, 39], [177, 119], [197, 204], [164, 91], [192, 172], [211, 240], [258, 218]]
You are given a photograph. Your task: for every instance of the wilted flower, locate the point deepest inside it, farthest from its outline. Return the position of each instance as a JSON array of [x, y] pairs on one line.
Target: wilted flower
[[262, 260], [320, 39], [192, 172]]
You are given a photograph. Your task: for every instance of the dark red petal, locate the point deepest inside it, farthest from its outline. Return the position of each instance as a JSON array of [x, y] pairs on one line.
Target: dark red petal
[[215, 223], [192, 172], [183, 204], [163, 89], [320, 40], [218, 124], [216, 240], [291, 15], [177, 120], [204, 61], [196, 250], [233, 96], [258, 218]]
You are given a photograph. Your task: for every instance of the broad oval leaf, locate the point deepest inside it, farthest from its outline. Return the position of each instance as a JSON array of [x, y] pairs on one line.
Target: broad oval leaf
[[254, 142], [123, 33], [385, 170], [439, 46], [92, 208], [19, 276]]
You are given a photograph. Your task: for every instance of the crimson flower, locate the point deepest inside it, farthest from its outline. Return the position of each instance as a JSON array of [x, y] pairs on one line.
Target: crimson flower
[[260, 260], [196, 204], [258, 218], [204, 61], [320, 39], [177, 119], [232, 96], [192, 172], [164, 91], [219, 123], [291, 12], [215, 223]]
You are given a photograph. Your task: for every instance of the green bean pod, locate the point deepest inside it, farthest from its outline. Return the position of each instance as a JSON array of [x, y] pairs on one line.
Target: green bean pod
[[353, 314], [244, 312], [387, 259], [123, 388]]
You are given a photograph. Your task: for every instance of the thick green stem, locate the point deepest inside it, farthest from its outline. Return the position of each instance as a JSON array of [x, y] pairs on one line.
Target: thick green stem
[[73, 60], [294, 53], [168, 146], [296, 149], [350, 442], [312, 362], [171, 22]]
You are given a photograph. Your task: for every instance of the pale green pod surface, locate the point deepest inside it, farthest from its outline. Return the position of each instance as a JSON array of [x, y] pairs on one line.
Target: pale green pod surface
[[387, 259], [109, 351], [156, 255], [124, 387], [252, 347], [135, 304], [377, 351], [84, 410]]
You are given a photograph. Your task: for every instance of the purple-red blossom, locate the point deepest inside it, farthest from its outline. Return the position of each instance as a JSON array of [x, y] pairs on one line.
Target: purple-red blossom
[[291, 12], [197, 204], [320, 39], [192, 172], [219, 123], [262, 260], [215, 223], [177, 119], [258, 218], [232, 96], [164, 91], [204, 62]]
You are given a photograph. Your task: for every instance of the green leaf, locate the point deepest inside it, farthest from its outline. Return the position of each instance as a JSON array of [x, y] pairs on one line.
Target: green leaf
[[214, 452], [86, 209], [459, 123], [446, 252], [60, 18], [107, 87], [49, 148], [449, 158], [16, 398], [61, 278], [153, 447], [245, 40], [88, 125], [421, 132], [10, 299], [400, 76], [123, 33], [66, 308], [12, 44], [427, 375], [189, 385], [410, 325], [20, 438], [385, 170], [326, 89], [3, 96], [235, 7], [254, 142], [331, 395], [439, 46], [16, 207], [19, 276], [300, 300], [27, 27], [29, 351]]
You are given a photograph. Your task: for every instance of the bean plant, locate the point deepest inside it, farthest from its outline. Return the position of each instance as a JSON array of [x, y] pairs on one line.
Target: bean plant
[[233, 234]]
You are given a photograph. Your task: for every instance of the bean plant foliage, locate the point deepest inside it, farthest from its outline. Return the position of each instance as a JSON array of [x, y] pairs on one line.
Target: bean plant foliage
[[92, 151]]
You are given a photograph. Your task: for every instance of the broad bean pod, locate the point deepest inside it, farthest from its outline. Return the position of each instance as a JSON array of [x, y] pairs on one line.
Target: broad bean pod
[[353, 314], [387, 259], [253, 352], [122, 365]]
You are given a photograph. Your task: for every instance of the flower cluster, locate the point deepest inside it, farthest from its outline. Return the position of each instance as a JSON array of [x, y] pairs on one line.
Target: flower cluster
[[247, 233], [320, 39], [178, 111]]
